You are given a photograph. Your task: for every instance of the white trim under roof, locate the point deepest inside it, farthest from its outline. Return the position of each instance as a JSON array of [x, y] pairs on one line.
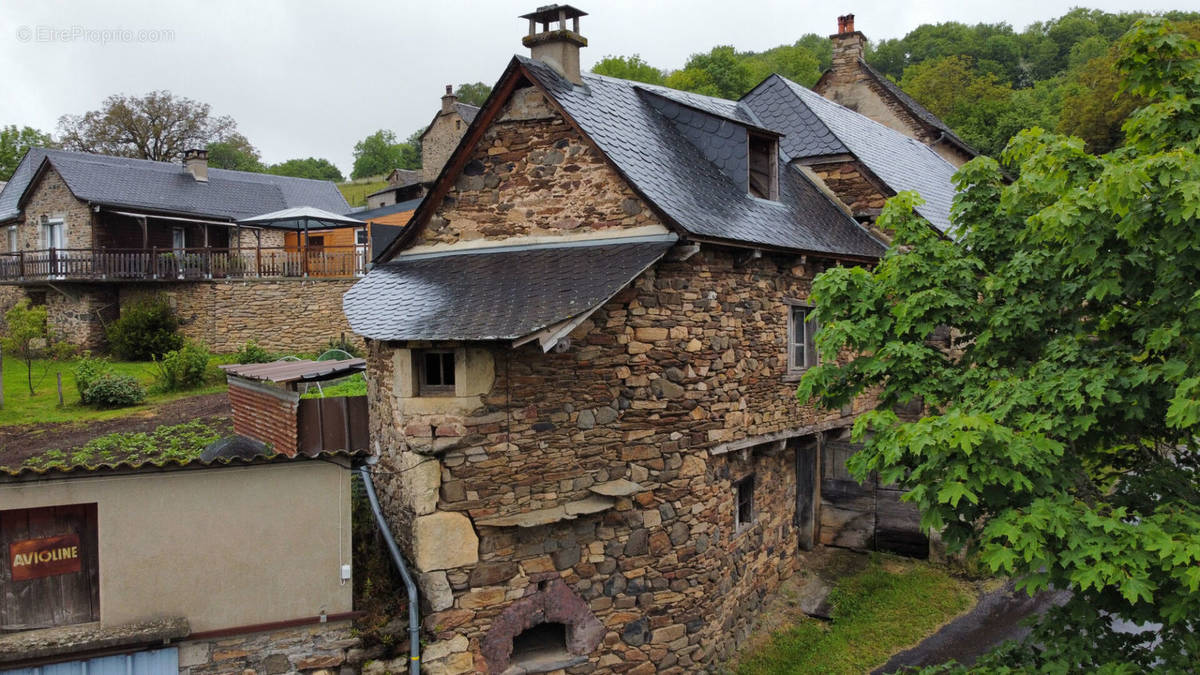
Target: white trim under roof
[[202, 221], [614, 235]]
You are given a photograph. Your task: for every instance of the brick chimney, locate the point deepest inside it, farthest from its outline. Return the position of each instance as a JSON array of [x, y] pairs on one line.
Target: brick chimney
[[847, 45], [557, 47], [449, 99], [196, 162]]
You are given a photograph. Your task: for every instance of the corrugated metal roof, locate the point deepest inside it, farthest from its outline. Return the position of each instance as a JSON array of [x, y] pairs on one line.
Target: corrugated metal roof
[[295, 371]]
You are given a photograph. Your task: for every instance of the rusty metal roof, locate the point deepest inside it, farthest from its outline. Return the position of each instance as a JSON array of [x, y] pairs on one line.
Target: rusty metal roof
[[295, 371]]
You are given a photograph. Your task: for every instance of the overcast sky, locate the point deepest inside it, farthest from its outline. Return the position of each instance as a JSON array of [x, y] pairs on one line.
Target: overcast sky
[[305, 78]]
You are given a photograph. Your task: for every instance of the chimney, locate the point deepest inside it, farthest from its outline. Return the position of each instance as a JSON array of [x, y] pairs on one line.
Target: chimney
[[196, 162], [847, 45], [557, 47], [449, 99]]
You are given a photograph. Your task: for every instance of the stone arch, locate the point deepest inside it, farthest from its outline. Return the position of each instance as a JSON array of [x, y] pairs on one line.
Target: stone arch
[[553, 602]]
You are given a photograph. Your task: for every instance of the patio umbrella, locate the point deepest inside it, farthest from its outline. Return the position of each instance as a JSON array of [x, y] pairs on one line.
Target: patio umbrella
[[300, 219]]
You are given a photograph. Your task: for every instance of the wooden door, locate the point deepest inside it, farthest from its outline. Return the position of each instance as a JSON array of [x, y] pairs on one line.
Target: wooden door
[[49, 573]]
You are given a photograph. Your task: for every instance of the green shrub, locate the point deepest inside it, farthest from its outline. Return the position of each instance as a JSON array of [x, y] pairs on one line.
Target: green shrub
[[183, 368], [343, 344], [144, 331], [88, 370], [252, 353], [113, 390]]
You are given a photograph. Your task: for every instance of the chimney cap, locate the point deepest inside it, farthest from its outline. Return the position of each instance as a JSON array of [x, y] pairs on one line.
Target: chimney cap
[[195, 153], [449, 90], [549, 13]]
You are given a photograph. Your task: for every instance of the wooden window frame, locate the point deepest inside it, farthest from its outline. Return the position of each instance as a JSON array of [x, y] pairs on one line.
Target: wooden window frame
[[743, 495], [423, 387], [772, 162], [811, 357]]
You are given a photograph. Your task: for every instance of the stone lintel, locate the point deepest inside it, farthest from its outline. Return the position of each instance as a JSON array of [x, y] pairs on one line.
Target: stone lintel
[[568, 511], [89, 637]]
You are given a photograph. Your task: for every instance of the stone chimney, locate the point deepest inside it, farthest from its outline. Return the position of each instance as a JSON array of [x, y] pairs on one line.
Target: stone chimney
[[847, 44], [196, 162], [449, 99], [557, 47]]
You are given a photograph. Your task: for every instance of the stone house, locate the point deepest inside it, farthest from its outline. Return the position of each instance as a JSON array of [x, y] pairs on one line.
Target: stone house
[[88, 234], [853, 83], [444, 132], [583, 353], [402, 185]]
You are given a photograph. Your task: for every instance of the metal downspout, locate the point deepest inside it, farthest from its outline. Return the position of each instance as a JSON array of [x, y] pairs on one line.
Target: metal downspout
[[414, 609]]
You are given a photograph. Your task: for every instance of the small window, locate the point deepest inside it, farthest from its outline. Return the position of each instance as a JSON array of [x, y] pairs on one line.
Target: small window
[[457, 124], [764, 166], [743, 492], [12, 239], [435, 372], [360, 237], [802, 328]]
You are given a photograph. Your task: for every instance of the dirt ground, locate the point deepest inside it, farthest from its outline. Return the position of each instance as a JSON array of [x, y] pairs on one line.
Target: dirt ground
[[18, 442]]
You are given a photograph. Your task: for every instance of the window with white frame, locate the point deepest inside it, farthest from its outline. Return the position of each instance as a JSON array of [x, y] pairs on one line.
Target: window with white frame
[[11, 239], [802, 327], [743, 495]]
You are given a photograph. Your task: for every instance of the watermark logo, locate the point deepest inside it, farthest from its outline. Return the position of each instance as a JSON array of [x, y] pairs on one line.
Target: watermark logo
[[84, 34]]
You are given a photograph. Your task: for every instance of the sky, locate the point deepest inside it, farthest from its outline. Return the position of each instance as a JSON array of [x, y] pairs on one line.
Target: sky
[[305, 78]]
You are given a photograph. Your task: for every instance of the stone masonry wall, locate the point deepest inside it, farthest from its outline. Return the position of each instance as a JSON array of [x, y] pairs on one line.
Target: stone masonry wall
[[533, 175], [439, 143], [51, 198], [848, 180], [78, 315], [288, 315], [319, 649], [595, 466]]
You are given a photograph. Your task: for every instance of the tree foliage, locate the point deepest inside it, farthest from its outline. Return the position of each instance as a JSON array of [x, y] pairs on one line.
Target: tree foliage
[[1060, 439], [158, 126], [473, 93], [26, 335], [14, 142], [629, 68], [379, 153], [309, 167], [236, 153]]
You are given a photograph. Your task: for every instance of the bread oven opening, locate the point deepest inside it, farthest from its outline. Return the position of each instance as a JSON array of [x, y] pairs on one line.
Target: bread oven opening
[[540, 646]]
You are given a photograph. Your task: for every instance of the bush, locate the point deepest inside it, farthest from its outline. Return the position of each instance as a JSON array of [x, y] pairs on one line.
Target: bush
[[343, 344], [144, 331], [252, 353], [113, 390], [88, 370], [183, 368]]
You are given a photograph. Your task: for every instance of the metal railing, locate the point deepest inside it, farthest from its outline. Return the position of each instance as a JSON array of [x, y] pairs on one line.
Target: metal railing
[[156, 264]]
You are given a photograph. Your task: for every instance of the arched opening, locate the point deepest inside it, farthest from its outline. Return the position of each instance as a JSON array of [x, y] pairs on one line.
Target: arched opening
[[540, 646]]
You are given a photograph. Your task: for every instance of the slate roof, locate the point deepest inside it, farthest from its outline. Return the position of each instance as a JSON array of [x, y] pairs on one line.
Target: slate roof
[[494, 294], [815, 126], [917, 109], [677, 177], [467, 111], [169, 187]]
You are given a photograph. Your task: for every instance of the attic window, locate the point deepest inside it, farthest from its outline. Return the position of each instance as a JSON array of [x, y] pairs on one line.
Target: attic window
[[764, 166], [435, 372]]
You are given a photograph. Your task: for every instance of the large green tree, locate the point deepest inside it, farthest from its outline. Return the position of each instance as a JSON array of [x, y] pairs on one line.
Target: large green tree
[[473, 93], [379, 153], [14, 142], [629, 68], [1059, 442], [235, 152], [309, 167]]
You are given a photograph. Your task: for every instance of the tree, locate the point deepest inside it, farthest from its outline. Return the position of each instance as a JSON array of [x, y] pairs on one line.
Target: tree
[[25, 335], [1060, 441], [473, 93], [379, 153], [719, 72], [629, 68], [157, 126], [15, 142], [235, 152], [311, 167]]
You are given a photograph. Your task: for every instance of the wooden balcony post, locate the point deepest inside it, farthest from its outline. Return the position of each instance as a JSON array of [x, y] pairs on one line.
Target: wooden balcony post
[[21, 264]]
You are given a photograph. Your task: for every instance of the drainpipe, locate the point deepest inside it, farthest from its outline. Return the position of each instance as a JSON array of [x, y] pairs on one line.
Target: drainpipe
[[414, 609]]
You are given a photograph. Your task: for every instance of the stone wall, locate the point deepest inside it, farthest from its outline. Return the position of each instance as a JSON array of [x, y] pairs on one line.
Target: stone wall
[[318, 648], [287, 315], [440, 140], [610, 466], [854, 186], [51, 198], [79, 314], [518, 180]]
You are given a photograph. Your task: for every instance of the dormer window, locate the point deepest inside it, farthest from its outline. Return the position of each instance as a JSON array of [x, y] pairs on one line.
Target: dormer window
[[764, 166]]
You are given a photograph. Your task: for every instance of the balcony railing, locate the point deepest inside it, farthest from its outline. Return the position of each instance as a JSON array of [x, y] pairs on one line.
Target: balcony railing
[[129, 264]]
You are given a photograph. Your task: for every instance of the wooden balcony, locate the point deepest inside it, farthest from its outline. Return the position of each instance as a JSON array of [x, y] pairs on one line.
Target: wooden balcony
[[190, 264]]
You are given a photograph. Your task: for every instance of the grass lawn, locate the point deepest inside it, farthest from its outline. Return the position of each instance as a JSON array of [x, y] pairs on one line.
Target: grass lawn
[[356, 191], [21, 408], [883, 609]]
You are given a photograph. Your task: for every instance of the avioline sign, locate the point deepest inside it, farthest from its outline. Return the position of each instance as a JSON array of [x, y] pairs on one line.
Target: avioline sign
[[46, 557]]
